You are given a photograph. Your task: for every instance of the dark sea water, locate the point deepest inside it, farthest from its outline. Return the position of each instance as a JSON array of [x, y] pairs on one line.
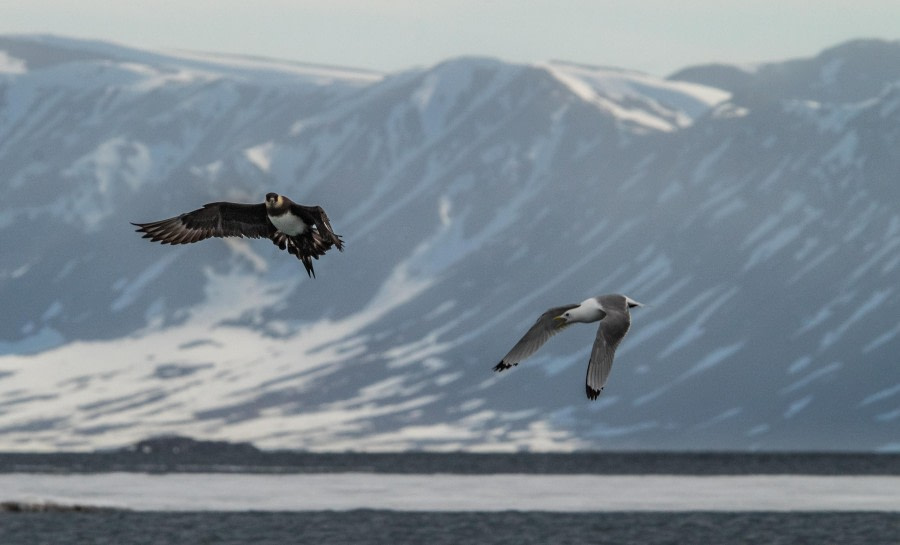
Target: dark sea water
[[188, 458], [360, 527], [388, 527]]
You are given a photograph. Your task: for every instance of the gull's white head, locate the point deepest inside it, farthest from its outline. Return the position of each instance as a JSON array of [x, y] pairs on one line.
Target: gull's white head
[[590, 310], [564, 318]]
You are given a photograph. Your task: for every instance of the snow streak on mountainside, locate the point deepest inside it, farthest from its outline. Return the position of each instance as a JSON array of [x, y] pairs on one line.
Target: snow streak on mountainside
[[753, 210]]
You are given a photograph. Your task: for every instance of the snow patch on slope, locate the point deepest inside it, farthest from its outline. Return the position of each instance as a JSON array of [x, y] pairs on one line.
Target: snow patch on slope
[[647, 101], [11, 65]]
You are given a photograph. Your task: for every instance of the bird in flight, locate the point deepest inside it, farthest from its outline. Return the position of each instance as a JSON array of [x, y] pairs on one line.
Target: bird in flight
[[612, 312], [304, 231]]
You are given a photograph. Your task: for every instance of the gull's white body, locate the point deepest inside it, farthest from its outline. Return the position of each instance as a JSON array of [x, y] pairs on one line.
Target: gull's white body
[[588, 311]]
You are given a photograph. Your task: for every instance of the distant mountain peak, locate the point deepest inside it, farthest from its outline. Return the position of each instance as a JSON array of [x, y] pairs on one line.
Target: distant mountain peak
[[848, 72]]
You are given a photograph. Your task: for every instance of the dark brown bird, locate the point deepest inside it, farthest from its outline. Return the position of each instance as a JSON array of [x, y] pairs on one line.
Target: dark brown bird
[[304, 231]]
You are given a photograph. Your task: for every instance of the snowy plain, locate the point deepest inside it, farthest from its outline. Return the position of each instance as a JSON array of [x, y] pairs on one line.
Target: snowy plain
[[445, 492]]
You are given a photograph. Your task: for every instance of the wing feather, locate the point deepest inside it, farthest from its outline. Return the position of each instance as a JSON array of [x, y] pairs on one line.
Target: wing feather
[[316, 215], [539, 333], [218, 219], [612, 330]]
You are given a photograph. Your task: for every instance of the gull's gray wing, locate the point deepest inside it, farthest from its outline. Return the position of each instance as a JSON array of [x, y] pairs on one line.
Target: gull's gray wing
[[544, 328], [613, 328], [218, 219]]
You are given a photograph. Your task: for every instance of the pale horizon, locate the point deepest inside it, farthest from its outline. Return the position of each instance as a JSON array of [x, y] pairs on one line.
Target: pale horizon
[[652, 36]]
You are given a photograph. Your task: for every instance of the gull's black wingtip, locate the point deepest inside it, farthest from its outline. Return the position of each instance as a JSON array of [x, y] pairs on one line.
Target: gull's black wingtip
[[592, 394], [503, 366]]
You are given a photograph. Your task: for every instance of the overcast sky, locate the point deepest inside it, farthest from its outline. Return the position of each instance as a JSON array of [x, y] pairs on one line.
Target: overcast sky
[[655, 36]]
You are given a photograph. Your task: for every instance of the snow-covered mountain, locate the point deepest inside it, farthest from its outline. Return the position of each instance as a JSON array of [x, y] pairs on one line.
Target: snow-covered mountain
[[753, 209]]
